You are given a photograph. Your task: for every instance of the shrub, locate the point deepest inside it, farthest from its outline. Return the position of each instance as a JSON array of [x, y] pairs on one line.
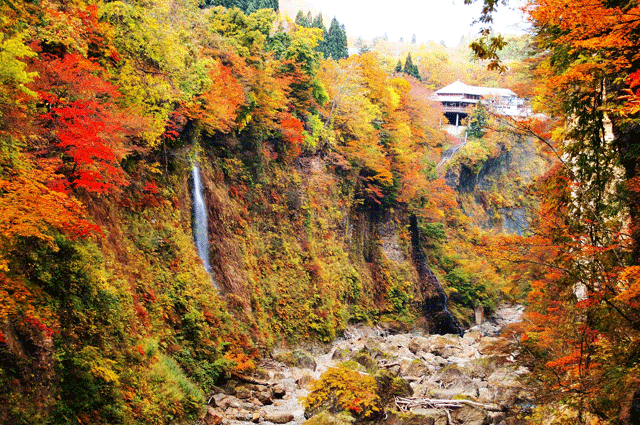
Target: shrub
[[344, 390]]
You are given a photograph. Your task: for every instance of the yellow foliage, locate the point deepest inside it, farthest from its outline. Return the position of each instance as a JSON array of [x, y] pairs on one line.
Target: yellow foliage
[[340, 389]]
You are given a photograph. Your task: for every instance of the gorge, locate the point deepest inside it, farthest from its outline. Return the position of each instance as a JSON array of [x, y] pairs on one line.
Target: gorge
[[209, 208]]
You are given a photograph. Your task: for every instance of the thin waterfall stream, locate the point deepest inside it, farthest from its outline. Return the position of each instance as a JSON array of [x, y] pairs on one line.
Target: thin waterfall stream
[[200, 223], [434, 306]]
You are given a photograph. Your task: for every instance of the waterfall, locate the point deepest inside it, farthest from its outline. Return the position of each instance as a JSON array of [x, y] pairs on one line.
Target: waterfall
[[434, 306], [200, 229]]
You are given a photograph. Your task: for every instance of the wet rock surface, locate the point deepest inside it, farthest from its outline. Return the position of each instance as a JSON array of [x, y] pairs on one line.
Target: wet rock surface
[[476, 368]]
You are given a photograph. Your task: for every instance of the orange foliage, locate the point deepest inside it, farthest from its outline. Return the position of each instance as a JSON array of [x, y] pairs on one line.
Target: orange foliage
[[217, 107], [29, 208]]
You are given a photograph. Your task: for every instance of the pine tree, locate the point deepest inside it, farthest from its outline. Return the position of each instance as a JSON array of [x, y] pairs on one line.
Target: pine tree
[[301, 20], [399, 66], [317, 23], [336, 41], [343, 49], [322, 45], [410, 68], [477, 122], [247, 6]]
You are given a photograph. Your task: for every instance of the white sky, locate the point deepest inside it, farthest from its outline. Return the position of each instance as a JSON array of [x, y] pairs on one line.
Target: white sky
[[434, 20]]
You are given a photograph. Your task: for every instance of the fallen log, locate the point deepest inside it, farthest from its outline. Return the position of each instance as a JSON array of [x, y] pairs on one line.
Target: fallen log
[[406, 403], [250, 379]]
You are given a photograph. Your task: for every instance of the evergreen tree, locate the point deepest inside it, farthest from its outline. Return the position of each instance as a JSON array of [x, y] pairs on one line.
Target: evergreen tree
[[336, 41], [247, 6], [322, 44], [399, 66], [477, 122], [410, 68], [362, 46], [408, 64], [317, 23], [413, 39], [301, 20], [343, 49]]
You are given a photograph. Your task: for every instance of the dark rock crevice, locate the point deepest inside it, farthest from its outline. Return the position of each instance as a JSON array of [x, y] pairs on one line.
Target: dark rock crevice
[[434, 304]]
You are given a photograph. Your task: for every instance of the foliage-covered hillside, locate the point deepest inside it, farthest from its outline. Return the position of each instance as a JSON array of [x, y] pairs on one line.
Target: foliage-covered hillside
[[312, 170]]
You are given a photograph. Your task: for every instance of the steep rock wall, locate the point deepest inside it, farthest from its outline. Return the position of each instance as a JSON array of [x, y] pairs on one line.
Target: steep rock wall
[[492, 191]]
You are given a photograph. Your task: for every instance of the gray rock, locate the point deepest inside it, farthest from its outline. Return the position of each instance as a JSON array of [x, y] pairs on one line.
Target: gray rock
[[243, 393], [278, 391], [244, 415], [265, 397], [417, 367], [418, 344], [305, 381], [278, 417], [438, 416], [296, 358], [470, 416], [217, 400]]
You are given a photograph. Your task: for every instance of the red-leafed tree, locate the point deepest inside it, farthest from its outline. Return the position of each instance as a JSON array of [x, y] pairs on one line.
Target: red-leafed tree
[[81, 123]]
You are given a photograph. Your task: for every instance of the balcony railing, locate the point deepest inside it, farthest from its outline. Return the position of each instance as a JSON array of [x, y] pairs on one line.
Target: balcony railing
[[460, 109]]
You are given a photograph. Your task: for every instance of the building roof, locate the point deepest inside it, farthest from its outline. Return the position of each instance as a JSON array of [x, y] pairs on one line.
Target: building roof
[[459, 88]]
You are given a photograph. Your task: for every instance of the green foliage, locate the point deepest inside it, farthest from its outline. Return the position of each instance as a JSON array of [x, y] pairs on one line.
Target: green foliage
[[246, 6], [477, 121], [467, 290], [325, 418], [13, 69], [433, 231], [410, 68], [247, 33], [335, 45]]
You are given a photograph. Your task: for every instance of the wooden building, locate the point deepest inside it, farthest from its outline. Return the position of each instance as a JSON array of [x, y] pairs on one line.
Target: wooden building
[[458, 99]]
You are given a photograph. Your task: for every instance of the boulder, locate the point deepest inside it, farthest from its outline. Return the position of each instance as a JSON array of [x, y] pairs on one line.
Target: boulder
[[296, 358], [243, 393], [445, 346], [390, 386], [340, 354], [265, 397], [278, 417], [408, 418], [212, 417], [326, 418], [416, 367], [473, 336], [493, 345], [305, 381], [217, 400], [438, 416], [244, 415], [278, 391], [470, 416], [363, 359]]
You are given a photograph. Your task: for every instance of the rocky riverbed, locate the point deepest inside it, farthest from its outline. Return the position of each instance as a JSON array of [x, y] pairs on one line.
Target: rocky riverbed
[[444, 379]]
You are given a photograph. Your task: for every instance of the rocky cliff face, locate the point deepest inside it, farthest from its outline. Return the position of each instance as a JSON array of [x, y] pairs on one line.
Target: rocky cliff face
[[492, 191], [310, 241]]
